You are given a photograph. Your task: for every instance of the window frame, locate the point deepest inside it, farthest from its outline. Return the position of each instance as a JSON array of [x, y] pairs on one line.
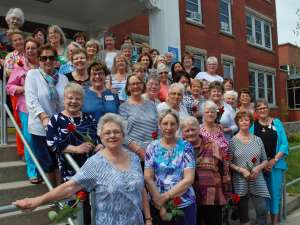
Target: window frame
[[265, 73], [229, 16], [198, 53], [200, 21], [252, 39]]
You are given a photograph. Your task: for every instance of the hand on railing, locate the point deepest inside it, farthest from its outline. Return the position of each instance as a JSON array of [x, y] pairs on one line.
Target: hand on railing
[[28, 204]]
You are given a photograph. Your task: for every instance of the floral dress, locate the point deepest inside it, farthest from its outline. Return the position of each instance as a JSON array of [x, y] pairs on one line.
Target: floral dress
[[169, 165], [60, 134]]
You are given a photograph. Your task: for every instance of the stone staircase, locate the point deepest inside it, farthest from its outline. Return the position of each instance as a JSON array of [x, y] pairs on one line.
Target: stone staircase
[[15, 185]]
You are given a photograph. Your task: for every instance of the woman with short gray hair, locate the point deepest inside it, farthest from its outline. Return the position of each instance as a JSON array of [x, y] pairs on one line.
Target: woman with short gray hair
[[114, 173], [174, 100], [14, 18], [211, 71]]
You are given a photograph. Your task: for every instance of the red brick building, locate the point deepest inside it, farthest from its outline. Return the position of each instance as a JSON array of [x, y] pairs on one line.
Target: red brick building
[[242, 34]]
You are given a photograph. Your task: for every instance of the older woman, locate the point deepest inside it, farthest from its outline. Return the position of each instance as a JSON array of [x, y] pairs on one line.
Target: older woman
[[244, 101], [211, 74], [273, 136], [126, 50], [194, 101], [40, 35], [187, 61], [160, 59], [228, 84], [114, 173], [99, 100], [79, 62], [248, 159], [163, 72], [152, 89], [119, 73], [15, 87], [44, 98], [212, 182], [68, 67], [230, 97], [226, 113], [154, 53], [174, 100], [57, 40], [109, 53], [169, 172], [146, 60], [92, 48], [140, 114]]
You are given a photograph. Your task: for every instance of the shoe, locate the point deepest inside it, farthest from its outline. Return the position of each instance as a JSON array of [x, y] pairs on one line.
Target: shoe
[[35, 180]]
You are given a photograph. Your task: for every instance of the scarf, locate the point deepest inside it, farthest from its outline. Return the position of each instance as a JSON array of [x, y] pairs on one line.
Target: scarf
[[51, 81]]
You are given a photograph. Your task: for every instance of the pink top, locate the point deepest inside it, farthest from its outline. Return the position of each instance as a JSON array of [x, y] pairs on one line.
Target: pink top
[[163, 92], [17, 79]]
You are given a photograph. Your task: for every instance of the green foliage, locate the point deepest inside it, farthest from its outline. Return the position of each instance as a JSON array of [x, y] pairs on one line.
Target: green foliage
[[295, 137], [293, 171]]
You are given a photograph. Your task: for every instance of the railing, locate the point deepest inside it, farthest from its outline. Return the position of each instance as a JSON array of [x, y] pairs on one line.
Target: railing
[[5, 110]]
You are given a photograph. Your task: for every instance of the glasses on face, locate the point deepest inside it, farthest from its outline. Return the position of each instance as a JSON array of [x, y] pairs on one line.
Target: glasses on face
[[175, 94], [262, 108], [112, 133], [135, 84], [97, 73], [44, 58]]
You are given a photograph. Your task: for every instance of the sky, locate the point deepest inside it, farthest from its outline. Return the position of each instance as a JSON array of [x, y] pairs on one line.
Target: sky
[[287, 20]]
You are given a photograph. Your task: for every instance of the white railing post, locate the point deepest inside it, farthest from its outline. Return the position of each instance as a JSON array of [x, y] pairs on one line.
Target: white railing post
[[3, 121]]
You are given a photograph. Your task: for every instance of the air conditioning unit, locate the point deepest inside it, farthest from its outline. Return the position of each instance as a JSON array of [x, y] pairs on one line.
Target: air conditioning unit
[[224, 26]]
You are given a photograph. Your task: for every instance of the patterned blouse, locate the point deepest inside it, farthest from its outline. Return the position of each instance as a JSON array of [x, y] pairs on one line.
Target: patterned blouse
[[242, 155], [118, 192], [59, 137], [169, 165], [212, 179]]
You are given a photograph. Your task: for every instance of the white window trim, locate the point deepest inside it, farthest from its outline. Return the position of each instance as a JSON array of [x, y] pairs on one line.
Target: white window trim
[[228, 59], [194, 21], [259, 15], [229, 15], [266, 71], [197, 51]]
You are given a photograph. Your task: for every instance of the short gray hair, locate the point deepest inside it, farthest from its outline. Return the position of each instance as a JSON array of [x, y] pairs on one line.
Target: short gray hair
[[74, 88], [189, 120], [231, 93], [126, 46], [176, 85], [75, 44], [15, 12], [57, 29], [93, 41], [111, 118], [210, 105], [166, 112], [212, 59]]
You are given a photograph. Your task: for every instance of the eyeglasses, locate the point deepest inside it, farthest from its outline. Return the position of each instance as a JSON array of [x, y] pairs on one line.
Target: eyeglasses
[[135, 84], [175, 93], [262, 108], [112, 132], [44, 58], [97, 73]]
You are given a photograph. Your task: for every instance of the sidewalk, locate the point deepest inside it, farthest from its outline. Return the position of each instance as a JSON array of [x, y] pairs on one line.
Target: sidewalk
[[293, 219]]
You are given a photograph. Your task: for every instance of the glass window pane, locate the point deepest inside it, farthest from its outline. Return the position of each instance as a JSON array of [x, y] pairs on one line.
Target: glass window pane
[[249, 27], [192, 7], [199, 62], [269, 81], [297, 94], [291, 98], [261, 93], [224, 15], [258, 32], [227, 70], [267, 33], [270, 96], [261, 80], [251, 78], [252, 92]]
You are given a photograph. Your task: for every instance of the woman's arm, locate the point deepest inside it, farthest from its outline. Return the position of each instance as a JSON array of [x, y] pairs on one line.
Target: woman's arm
[[151, 186], [146, 208], [245, 173], [63, 191]]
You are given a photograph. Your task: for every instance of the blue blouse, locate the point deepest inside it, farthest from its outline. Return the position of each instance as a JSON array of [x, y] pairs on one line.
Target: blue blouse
[[97, 106]]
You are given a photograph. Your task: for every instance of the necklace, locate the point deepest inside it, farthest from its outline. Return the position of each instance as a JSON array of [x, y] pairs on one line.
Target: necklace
[[71, 119]]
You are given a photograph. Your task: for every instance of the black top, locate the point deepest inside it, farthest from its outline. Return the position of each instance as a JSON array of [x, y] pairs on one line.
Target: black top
[[84, 83], [268, 135]]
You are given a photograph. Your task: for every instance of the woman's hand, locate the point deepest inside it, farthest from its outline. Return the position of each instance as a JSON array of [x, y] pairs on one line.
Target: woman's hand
[[244, 172], [99, 147], [141, 153], [161, 200], [162, 213], [45, 122], [270, 165], [27, 204], [254, 173], [85, 147]]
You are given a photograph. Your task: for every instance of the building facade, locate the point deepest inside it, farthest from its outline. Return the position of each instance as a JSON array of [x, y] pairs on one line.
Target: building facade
[[242, 34]]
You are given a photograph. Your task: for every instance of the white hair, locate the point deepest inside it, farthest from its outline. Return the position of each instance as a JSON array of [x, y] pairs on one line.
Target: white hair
[[212, 59], [111, 118], [15, 12], [231, 93], [189, 120], [176, 85], [210, 105]]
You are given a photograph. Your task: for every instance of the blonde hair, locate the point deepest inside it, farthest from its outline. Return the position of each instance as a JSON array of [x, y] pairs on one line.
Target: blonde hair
[[114, 67], [190, 120], [57, 29], [93, 41], [74, 88]]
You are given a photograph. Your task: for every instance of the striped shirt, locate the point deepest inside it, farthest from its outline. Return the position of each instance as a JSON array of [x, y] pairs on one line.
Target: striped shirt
[[242, 155], [141, 121]]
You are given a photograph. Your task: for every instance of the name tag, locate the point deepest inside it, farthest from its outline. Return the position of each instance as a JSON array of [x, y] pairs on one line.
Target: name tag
[[109, 98]]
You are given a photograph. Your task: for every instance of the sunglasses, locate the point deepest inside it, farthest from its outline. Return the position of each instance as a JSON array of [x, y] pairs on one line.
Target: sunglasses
[[46, 58]]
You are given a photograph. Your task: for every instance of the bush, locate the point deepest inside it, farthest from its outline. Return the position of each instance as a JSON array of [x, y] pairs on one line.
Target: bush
[[294, 138]]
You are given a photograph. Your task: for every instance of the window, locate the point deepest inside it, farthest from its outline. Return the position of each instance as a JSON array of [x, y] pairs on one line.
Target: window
[[262, 85], [259, 31], [193, 11], [199, 61], [225, 16], [293, 88], [228, 69]]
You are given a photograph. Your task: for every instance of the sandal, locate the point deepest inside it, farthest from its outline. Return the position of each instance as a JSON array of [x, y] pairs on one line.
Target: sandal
[[35, 180]]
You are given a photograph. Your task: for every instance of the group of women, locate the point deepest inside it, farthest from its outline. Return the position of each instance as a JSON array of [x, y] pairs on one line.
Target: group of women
[[165, 131]]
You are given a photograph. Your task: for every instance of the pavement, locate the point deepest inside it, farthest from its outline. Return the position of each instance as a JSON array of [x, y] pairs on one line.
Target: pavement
[[293, 219]]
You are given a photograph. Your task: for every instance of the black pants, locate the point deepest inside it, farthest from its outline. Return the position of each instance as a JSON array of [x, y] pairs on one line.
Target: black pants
[[209, 215]]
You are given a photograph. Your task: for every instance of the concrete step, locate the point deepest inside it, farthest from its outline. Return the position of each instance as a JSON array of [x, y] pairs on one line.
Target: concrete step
[[12, 171], [36, 217], [8, 153], [12, 191], [293, 203]]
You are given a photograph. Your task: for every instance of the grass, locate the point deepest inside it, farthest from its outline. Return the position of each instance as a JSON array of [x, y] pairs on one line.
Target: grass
[[294, 167]]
